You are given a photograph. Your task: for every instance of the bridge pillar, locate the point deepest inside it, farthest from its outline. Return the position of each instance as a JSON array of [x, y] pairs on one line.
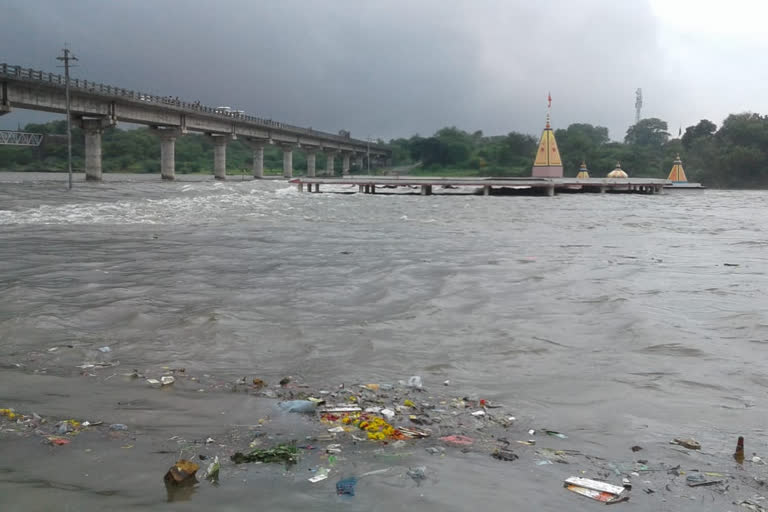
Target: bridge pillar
[[311, 160], [167, 151], [345, 164], [288, 161], [258, 155], [330, 163], [219, 156], [93, 129], [359, 162]]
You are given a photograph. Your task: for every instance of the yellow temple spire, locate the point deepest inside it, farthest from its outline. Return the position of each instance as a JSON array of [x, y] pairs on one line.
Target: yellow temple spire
[[583, 172], [548, 163], [677, 173]]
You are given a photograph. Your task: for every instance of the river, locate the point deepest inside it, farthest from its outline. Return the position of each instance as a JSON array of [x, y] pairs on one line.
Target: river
[[618, 319]]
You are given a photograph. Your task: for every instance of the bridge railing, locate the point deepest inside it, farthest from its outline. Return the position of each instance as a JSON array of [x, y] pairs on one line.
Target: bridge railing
[[14, 138], [20, 73]]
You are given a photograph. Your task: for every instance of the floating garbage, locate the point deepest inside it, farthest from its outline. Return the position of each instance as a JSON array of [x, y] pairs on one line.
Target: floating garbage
[[415, 382], [691, 444], [284, 453], [346, 487], [699, 480], [554, 433], [738, 455], [418, 473], [118, 426], [58, 441], [212, 473], [167, 380], [596, 490], [105, 349], [478, 413], [258, 383], [415, 432], [182, 473], [321, 474], [504, 454], [336, 409], [457, 440], [301, 406]]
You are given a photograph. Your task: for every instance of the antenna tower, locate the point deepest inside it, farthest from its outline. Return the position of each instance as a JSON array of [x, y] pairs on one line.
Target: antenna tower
[[638, 104]]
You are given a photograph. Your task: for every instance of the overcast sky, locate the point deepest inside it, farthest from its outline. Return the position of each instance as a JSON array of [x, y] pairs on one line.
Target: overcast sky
[[390, 68]]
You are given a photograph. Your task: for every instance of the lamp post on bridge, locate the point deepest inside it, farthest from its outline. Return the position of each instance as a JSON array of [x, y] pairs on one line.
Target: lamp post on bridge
[[66, 57]]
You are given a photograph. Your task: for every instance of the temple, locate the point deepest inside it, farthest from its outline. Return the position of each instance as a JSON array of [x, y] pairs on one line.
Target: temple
[[618, 172], [548, 163], [677, 174], [583, 172]]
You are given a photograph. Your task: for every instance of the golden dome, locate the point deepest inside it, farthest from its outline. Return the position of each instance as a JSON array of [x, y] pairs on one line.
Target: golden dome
[[618, 172]]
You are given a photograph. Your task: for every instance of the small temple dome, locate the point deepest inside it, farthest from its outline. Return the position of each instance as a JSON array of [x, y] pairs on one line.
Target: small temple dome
[[618, 172], [583, 172]]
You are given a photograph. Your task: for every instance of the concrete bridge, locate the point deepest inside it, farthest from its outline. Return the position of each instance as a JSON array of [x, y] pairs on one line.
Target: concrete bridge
[[97, 106]]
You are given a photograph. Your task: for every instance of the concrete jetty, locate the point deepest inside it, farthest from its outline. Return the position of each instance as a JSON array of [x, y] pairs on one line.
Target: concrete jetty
[[427, 185]]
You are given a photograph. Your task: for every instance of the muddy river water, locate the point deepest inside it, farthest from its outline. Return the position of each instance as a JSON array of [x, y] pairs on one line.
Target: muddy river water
[[619, 320]]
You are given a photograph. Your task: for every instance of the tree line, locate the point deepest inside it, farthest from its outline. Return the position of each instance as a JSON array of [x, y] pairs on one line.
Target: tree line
[[733, 155]]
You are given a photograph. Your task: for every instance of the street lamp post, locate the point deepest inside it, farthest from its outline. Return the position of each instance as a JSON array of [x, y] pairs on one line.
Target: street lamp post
[[66, 57]]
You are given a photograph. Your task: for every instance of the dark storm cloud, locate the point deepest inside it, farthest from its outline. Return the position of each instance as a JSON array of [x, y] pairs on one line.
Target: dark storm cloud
[[385, 69]]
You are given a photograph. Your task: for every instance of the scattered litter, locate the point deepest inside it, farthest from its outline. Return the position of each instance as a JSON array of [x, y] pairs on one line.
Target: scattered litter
[[699, 480], [371, 387], [543, 462], [334, 408], [435, 450], [446, 383], [554, 433], [153, 382], [478, 413], [301, 406], [596, 490], [738, 455], [409, 403], [388, 414], [457, 440], [415, 432], [418, 473], [322, 474], [691, 444], [415, 382], [258, 383], [531, 432], [346, 487], [336, 430], [212, 473], [285, 381], [504, 454], [375, 472], [182, 473], [333, 448], [752, 505], [105, 349], [530, 442], [636, 448], [167, 380], [511, 418], [285, 453], [58, 441], [117, 426]]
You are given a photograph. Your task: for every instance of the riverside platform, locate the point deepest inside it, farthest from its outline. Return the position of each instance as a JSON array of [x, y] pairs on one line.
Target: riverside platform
[[487, 186]]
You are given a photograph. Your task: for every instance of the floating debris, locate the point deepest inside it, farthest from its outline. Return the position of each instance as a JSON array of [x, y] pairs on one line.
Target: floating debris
[[284, 453], [691, 444], [596, 490]]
